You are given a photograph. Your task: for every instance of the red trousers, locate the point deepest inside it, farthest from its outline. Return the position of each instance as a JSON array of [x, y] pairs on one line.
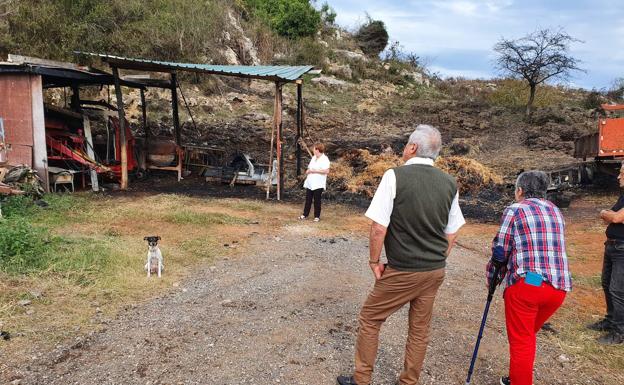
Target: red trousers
[[526, 309]]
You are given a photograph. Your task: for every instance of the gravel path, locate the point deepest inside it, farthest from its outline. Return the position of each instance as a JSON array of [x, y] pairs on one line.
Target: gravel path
[[287, 314]]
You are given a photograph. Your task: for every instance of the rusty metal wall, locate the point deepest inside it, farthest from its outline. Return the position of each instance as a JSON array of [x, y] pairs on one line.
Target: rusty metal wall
[[586, 146], [611, 137], [16, 110]]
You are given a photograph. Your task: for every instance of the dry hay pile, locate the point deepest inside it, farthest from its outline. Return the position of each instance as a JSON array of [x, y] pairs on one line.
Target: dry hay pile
[[471, 175], [358, 171]]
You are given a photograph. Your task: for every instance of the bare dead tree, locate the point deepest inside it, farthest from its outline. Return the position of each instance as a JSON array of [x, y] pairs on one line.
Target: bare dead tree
[[538, 57]]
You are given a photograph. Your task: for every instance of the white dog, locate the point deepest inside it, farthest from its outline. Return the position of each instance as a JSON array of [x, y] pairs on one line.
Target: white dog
[[154, 256]]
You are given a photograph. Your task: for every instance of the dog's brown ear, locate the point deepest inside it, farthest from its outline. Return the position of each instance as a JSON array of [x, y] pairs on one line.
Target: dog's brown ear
[[158, 237], [145, 238]]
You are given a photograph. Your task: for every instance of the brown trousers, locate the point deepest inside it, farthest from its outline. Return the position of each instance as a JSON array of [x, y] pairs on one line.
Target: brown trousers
[[391, 292]]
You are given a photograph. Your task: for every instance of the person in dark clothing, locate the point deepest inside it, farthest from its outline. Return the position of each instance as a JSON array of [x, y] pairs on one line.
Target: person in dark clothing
[[613, 273]]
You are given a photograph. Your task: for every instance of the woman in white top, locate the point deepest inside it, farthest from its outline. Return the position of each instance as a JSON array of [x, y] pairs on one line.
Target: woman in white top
[[316, 181]]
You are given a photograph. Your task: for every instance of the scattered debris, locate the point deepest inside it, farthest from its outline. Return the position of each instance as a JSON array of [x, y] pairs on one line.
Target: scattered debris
[[5, 335], [24, 302], [547, 327], [563, 359], [22, 180]]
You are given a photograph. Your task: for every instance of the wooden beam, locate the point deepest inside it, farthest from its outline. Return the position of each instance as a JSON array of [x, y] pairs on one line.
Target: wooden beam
[[40, 152], [278, 126], [144, 113], [299, 128], [74, 103], [174, 108], [122, 130], [86, 124], [273, 125], [21, 59]]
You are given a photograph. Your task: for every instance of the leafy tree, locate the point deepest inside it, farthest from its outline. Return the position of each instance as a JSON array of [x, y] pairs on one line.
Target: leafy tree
[[372, 37], [289, 18], [538, 57], [328, 14]]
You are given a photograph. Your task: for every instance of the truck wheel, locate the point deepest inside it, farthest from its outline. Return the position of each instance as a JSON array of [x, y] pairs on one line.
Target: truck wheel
[[587, 174]]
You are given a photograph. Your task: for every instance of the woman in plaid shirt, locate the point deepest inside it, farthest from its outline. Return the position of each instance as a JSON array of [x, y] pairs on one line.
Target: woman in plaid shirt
[[536, 278]]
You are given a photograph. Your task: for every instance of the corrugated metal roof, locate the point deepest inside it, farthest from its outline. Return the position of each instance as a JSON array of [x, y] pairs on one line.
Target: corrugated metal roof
[[275, 73]]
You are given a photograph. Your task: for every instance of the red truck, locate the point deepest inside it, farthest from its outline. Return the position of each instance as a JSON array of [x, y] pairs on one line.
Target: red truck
[[600, 153]]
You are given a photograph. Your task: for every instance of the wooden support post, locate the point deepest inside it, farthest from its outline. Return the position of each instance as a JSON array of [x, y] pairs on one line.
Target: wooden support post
[[273, 129], [86, 123], [74, 103], [299, 126], [40, 153], [278, 127], [122, 130], [174, 108], [144, 112]]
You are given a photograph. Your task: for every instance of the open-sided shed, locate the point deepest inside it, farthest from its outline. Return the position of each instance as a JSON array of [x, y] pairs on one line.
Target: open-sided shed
[[23, 79], [280, 75]]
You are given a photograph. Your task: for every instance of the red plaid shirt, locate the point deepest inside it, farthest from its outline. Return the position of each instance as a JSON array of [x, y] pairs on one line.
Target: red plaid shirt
[[532, 236]]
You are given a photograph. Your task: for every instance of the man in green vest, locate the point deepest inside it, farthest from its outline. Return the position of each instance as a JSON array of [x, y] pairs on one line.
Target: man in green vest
[[416, 217]]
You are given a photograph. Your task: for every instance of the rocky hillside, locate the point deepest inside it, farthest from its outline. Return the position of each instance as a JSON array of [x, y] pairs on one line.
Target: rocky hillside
[[360, 101]]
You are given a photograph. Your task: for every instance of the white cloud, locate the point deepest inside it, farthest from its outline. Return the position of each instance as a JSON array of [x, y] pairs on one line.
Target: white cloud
[[435, 28], [463, 73]]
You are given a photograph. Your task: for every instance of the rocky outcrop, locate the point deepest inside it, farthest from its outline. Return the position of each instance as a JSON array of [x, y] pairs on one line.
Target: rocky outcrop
[[330, 81], [239, 49], [351, 55]]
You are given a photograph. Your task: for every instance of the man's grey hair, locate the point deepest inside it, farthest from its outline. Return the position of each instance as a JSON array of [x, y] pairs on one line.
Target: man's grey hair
[[428, 139], [534, 184]]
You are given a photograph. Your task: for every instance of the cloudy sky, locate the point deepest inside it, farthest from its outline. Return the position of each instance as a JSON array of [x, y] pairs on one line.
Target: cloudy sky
[[456, 36]]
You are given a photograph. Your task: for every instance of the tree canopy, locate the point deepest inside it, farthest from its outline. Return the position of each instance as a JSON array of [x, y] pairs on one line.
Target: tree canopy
[[537, 57], [289, 18], [372, 37]]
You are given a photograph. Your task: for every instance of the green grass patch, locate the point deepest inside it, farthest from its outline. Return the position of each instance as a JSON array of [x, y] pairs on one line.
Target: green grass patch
[[199, 248], [195, 218], [592, 281], [247, 205], [24, 247], [55, 210]]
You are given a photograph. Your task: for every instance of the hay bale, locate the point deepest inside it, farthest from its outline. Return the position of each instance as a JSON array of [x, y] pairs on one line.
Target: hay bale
[[358, 171], [340, 174], [471, 175]]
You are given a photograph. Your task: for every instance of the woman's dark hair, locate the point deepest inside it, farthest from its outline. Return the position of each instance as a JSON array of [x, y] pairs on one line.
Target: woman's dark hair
[[534, 184]]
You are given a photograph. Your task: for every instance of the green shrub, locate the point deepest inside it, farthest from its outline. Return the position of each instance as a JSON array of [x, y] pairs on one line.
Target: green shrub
[[23, 247], [372, 37], [289, 18], [18, 206], [164, 29], [307, 51], [593, 100]]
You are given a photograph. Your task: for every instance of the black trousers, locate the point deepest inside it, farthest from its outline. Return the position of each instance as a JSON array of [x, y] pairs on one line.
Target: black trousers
[[613, 284], [316, 194]]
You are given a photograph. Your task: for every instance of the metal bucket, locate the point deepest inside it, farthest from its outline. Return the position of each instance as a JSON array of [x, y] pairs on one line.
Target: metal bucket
[[161, 152]]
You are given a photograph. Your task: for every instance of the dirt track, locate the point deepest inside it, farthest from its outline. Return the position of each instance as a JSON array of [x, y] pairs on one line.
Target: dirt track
[[286, 314]]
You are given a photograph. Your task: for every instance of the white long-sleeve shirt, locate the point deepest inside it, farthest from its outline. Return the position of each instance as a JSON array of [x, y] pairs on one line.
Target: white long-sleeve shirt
[[316, 181]]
